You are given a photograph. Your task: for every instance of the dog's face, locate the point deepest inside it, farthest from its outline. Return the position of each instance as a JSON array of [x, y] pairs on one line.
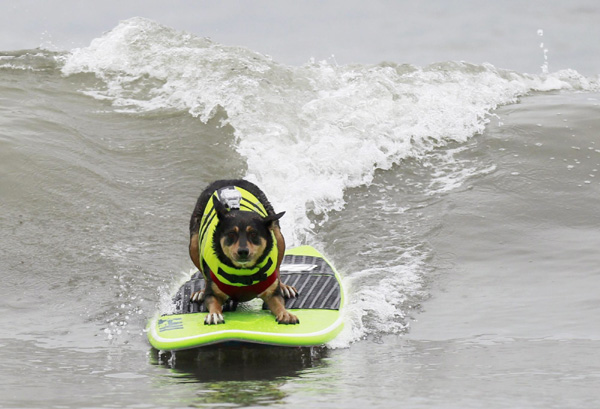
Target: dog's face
[[243, 237]]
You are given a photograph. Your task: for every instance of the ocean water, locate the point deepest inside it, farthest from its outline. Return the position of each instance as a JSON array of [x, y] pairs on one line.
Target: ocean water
[[458, 200]]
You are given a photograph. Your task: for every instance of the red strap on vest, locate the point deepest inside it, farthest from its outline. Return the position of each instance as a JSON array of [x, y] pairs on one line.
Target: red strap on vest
[[234, 291]]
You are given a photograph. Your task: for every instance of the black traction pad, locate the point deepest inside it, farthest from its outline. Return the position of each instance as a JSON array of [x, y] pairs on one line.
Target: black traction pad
[[314, 279]]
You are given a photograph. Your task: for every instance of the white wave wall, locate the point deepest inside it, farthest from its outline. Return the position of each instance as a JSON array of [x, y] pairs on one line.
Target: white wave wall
[[307, 132]]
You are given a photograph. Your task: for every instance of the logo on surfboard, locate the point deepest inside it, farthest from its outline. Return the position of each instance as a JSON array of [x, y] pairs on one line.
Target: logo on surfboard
[[169, 324]]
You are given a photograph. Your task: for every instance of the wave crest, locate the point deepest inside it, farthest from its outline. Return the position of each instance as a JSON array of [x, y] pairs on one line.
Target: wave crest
[[307, 133]]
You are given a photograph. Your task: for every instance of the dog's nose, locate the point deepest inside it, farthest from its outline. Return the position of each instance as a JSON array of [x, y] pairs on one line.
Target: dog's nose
[[243, 252]]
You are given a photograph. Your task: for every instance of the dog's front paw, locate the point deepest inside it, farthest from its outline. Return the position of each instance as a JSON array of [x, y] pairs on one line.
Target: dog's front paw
[[288, 291], [286, 318], [214, 319]]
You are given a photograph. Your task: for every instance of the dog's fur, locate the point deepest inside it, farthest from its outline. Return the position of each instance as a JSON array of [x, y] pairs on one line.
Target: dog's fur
[[241, 240]]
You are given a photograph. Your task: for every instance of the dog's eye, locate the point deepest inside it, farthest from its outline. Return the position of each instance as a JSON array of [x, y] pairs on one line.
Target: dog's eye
[[254, 238], [230, 238]]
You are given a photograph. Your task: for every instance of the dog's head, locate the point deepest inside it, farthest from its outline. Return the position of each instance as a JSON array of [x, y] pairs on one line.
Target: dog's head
[[242, 239]]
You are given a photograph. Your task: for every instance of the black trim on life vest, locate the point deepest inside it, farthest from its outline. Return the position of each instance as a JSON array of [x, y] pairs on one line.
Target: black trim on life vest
[[255, 207], [205, 227], [260, 275]]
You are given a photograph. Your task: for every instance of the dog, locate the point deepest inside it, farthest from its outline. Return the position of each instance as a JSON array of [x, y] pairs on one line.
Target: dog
[[236, 242]]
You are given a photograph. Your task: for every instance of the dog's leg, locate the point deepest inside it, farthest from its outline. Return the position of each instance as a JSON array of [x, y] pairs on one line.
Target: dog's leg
[[213, 301], [274, 300], [286, 290], [194, 252], [215, 311], [277, 307]]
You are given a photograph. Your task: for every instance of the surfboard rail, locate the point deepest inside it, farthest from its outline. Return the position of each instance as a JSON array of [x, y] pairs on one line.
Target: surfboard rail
[[318, 308]]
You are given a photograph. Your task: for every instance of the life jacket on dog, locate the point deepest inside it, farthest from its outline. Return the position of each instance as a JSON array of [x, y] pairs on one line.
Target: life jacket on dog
[[235, 281]]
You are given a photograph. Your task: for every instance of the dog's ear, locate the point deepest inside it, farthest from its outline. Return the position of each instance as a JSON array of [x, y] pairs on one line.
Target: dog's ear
[[271, 218], [219, 208]]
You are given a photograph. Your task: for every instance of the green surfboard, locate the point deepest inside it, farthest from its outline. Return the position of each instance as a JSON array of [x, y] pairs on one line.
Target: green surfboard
[[318, 307]]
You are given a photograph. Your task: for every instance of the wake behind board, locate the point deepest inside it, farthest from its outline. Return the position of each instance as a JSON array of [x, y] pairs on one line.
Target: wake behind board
[[317, 306]]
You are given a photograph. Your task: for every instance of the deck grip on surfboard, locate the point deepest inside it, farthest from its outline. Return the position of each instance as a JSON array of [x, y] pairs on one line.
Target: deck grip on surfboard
[[312, 276]]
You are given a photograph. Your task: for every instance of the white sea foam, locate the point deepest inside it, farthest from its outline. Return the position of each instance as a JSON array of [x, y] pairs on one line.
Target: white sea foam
[[377, 298], [309, 133]]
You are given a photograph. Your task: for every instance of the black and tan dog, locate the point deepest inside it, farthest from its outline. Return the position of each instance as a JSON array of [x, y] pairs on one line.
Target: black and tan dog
[[236, 242]]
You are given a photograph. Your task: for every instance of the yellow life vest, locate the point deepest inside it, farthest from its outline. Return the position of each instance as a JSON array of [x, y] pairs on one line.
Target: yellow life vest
[[231, 280]]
